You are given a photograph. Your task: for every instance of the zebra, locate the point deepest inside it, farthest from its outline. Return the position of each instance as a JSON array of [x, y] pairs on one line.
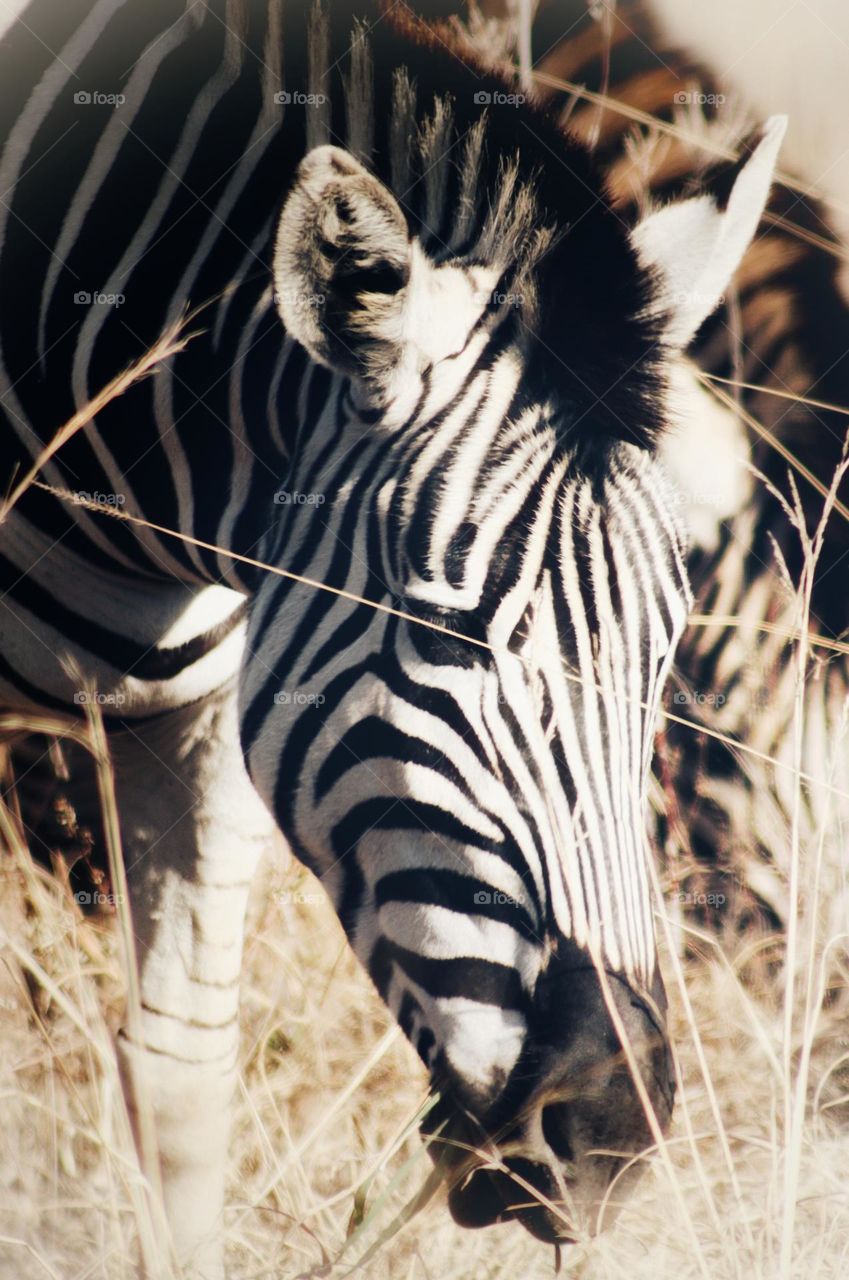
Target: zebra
[[429, 576], [781, 336]]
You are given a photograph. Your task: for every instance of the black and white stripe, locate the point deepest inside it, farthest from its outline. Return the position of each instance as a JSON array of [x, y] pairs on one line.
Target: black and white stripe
[[459, 423], [783, 332]]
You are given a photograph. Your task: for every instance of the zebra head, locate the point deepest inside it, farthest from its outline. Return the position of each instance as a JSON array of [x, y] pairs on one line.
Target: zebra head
[[465, 765]]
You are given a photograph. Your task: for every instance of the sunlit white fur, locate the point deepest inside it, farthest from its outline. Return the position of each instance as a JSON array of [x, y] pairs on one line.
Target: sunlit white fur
[[706, 452]]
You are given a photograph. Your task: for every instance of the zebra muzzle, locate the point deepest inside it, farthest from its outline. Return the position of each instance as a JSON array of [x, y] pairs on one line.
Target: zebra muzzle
[[522, 1190], [560, 1150]]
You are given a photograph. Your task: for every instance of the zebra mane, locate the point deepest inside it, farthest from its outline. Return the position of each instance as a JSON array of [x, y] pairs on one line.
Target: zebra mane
[[425, 151], [500, 187]]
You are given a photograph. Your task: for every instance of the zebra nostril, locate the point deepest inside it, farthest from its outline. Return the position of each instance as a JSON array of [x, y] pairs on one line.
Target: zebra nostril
[[557, 1130]]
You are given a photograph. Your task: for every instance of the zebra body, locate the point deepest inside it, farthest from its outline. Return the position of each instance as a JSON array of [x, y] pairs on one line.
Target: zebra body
[[457, 424]]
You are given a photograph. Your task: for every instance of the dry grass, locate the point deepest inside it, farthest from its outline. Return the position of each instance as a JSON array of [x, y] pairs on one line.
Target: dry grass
[[325, 1157], [325, 1137]]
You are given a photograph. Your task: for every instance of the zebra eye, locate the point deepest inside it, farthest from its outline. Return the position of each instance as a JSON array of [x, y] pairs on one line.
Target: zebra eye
[[426, 611], [468, 638]]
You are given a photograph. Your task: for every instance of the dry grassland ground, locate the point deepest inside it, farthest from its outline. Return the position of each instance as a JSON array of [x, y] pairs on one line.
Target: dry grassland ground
[[325, 1154]]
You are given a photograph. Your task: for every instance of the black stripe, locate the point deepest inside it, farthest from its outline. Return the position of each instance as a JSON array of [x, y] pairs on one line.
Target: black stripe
[[141, 661], [455, 892], [465, 977]]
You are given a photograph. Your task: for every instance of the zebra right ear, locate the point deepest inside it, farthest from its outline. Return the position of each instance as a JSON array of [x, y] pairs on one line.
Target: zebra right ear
[[693, 247], [341, 265]]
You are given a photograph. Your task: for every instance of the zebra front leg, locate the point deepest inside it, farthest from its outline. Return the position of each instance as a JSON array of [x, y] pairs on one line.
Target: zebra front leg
[[193, 829]]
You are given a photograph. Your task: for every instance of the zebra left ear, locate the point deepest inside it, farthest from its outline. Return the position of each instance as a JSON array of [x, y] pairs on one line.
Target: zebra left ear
[[341, 265], [694, 246]]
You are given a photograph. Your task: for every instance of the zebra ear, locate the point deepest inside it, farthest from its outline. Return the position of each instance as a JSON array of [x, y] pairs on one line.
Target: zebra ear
[[341, 265], [694, 246]]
